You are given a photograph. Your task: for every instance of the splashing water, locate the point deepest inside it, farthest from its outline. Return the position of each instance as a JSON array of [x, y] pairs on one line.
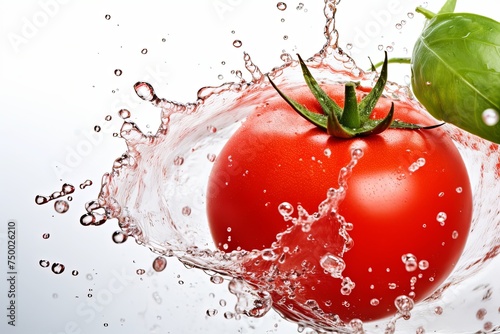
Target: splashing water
[[157, 188]]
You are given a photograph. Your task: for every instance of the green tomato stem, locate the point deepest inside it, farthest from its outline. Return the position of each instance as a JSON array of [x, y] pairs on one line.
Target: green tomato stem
[[350, 116]]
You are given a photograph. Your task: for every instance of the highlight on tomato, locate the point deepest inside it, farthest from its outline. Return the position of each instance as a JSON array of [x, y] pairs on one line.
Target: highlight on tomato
[[351, 205]]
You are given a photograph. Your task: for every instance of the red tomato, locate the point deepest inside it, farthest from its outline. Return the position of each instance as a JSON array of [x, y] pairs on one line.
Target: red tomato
[[396, 210]]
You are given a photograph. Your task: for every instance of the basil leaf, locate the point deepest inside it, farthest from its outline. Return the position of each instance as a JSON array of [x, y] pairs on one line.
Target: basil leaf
[[456, 71]]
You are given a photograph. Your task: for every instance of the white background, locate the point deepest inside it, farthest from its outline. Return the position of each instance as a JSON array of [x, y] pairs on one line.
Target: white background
[[57, 82]]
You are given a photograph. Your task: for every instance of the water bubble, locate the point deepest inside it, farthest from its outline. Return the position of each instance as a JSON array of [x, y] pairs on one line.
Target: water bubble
[[157, 297], [237, 43], [392, 286], [61, 206], [212, 312], [145, 91], [89, 277], [438, 310], [416, 165], [186, 211], [178, 161], [281, 6], [327, 152], [404, 305], [220, 77], [75, 273], [107, 16], [481, 313], [57, 268], [46, 235], [211, 129], [300, 6], [410, 262], [222, 302], [441, 218], [97, 128], [44, 263], [159, 264], [285, 37], [108, 118], [454, 235], [285, 209], [332, 264], [374, 302], [144, 51], [140, 271], [211, 157], [118, 72], [347, 286], [217, 279], [85, 184], [423, 264], [410, 15], [380, 47], [286, 57], [119, 237], [441, 194], [490, 117], [124, 113]]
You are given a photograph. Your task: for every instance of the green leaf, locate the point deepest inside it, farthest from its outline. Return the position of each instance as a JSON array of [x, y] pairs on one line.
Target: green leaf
[[456, 70], [448, 7]]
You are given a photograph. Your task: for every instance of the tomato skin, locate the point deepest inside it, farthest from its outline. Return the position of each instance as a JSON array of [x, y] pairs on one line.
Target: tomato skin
[[277, 156]]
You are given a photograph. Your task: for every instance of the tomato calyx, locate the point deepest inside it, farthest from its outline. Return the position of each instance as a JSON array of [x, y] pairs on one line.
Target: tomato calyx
[[354, 119]]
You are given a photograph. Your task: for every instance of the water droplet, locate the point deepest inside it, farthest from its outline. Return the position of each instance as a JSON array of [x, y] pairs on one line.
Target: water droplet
[[85, 184], [441, 194], [44, 263], [327, 152], [416, 165], [228, 315], [211, 129], [159, 264], [89, 277], [374, 302], [119, 237], [281, 6], [332, 264], [438, 310], [481, 313], [410, 262], [178, 161], [217, 279], [346, 286], [57, 268], [211, 157], [392, 286], [186, 211], [300, 6], [399, 26], [454, 235], [285, 37], [220, 77], [145, 91], [459, 190], [140, 271], [423, 264], [124, 113], [441, 218], [404, 304], [144, 51], [490, 117], [380, 47], [285, 209], [61, 206], [222, 302], [97, 128], [118, 72], [411, 15], [107, 16], [237, 43], [74, 273], [46, 235]]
